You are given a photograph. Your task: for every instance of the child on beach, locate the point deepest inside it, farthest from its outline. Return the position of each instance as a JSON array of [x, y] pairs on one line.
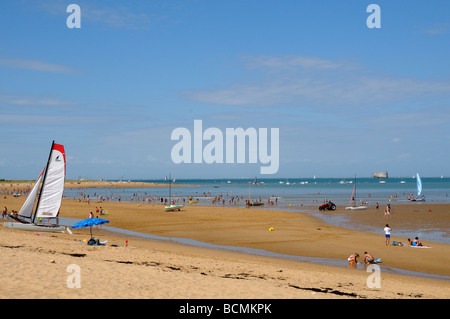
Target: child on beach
[[353, 259], [387, 211], [387, 234]]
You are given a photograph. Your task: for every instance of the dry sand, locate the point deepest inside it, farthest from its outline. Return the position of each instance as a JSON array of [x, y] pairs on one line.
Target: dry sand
[[32, 263]]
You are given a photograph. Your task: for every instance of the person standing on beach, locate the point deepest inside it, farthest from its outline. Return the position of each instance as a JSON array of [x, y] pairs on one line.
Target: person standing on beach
[[387, 234]]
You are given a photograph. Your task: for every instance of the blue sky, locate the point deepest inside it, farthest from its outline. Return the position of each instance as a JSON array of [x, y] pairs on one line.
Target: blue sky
[[346, 99]]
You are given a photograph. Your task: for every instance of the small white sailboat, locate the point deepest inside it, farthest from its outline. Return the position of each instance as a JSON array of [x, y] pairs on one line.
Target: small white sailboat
[[45, 217], [353, 200], [419, 191], [172, 207]]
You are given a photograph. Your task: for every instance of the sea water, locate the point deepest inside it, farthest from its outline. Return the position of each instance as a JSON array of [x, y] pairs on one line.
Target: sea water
[[292, 190]]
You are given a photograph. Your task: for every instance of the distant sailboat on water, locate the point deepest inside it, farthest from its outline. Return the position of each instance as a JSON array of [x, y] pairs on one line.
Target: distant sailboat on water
[[50, 196]]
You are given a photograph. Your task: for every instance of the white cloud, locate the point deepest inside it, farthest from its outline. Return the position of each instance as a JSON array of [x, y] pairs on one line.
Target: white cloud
[[317, 82], [98, 12], [39, 120], [440, 28], [290, 62], [24, 100], [119, 18], [36, 65]]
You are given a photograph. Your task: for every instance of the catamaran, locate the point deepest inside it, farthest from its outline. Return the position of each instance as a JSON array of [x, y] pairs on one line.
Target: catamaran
[[419, 191], [353, 200], [172, 206], [248, 202], [45, 216]]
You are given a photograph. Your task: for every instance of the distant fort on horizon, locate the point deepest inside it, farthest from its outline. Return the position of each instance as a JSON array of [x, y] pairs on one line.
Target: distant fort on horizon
[[380, 175]]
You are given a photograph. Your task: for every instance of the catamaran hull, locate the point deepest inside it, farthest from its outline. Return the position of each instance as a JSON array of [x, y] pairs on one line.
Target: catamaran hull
[[356, 207], [34, 227], [254, 204], [172, 208]]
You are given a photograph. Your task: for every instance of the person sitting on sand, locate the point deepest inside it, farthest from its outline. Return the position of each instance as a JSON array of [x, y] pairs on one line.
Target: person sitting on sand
[[416, 242], [368, 258]]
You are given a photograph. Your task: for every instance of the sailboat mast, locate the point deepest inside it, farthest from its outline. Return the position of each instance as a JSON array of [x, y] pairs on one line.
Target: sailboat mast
[[170, 189], [43, 182]]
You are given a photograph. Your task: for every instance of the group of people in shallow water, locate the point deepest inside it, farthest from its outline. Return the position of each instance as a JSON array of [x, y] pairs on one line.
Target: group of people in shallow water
[[387, 210], [145, 198]]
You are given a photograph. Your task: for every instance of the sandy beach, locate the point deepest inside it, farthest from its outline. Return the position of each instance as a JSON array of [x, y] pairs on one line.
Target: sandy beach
[[128, 267]]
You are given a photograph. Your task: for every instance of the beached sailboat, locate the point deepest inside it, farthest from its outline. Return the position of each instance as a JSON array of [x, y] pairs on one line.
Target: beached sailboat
[[172, 207], [45, 216], [419, 191], [248, 202], [353, 200]]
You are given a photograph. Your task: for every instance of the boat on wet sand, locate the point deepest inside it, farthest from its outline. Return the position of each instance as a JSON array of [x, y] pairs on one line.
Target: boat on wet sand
[[49, 194], [353, 200]]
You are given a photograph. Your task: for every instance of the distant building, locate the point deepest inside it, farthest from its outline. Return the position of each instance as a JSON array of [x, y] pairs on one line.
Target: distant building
[[380, 175]]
